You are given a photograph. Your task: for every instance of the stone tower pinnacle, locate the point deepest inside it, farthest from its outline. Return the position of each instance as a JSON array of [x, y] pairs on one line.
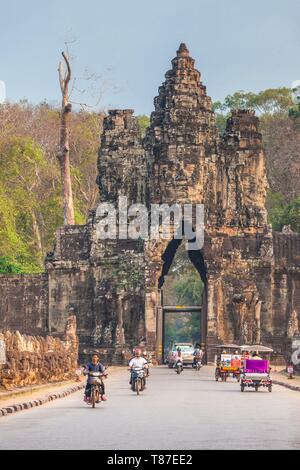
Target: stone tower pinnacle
[[181, 137], [183, 50]]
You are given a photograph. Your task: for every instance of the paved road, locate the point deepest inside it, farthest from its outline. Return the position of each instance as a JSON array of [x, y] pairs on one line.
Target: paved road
[[190, 411]]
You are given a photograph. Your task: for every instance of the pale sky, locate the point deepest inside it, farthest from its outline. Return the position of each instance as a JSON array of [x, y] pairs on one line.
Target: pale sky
[[237, 45]]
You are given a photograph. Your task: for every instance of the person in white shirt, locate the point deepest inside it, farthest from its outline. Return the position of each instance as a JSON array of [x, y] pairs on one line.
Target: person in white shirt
[[137, 361], [178, 357], [198, 354]]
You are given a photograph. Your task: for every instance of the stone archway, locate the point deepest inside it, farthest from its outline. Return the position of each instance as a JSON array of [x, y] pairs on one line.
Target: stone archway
[[160, 257]]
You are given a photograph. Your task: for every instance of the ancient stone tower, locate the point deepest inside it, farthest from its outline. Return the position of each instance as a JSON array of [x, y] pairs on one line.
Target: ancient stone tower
[[114, 287], [189, 163]]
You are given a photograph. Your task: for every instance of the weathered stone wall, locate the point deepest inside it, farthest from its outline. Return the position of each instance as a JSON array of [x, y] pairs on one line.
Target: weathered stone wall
[[121, 162], [70, 279], [36, 360], [24, 303], [101, 283], [285, 312], [241, 174]]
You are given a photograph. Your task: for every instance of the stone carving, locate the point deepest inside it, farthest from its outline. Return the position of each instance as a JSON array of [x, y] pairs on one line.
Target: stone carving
[[293, 325], [36, 359]]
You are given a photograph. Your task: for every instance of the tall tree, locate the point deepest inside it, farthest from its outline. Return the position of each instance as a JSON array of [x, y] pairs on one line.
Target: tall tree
[[64, 147]]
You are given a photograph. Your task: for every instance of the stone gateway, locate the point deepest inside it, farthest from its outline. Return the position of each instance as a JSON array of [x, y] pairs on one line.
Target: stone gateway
[[114, 288]]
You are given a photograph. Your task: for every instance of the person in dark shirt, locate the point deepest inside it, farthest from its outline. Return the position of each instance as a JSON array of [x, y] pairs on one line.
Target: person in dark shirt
[[94, 366], [198, 354]]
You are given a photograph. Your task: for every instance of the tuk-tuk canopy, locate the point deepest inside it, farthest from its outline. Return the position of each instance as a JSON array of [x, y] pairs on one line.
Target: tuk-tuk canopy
[[228, 346], [256, 347]]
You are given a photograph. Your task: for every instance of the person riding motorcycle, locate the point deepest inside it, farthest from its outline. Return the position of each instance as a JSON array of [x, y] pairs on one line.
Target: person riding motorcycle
[[178, 357], [137, 361], [198, 355], [94, 366]]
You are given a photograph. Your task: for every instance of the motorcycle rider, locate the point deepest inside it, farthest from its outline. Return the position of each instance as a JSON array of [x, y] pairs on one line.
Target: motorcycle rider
[[94, 366], [178, 357], [198, 355], [137, 361]]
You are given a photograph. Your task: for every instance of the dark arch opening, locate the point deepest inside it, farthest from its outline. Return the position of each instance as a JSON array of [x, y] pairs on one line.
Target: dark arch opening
[[196, 257], [168, 258], [172, 324]]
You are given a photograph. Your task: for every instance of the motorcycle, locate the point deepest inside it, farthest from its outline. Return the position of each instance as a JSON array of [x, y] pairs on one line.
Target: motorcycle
[[97, 387], [197, 364], [178, 367], [138, 379]]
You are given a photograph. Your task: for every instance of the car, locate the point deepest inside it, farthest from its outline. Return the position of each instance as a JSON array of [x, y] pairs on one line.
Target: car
[[187, 350]]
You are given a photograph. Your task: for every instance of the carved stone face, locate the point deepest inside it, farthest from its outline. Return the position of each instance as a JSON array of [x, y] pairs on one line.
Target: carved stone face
[[296, 91]]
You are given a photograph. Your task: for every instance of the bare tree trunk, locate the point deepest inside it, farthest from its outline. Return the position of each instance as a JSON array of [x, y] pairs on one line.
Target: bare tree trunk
[[64, 148]]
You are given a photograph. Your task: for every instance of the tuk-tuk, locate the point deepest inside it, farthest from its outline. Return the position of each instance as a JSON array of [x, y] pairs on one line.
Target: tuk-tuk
[[228, 362], [256, 369]]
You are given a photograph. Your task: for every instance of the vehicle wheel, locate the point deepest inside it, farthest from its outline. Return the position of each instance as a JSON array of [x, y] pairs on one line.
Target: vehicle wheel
[[143, 384], [170, 366], [138, 386], [256, 388], [93, 398], [242, 387], [270, 388]]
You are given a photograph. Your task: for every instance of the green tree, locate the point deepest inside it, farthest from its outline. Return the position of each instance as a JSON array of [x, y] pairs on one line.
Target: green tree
[[9, 267], [21, 162], [25, 132], [269, 101], [281, 214], [239, 100], [181, 326], [143, 123], [189, 288], [294, 112], [273, 100]]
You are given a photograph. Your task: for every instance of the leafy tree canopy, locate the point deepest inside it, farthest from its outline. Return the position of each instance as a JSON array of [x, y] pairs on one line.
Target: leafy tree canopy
[[272, 100], [143, 123]]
